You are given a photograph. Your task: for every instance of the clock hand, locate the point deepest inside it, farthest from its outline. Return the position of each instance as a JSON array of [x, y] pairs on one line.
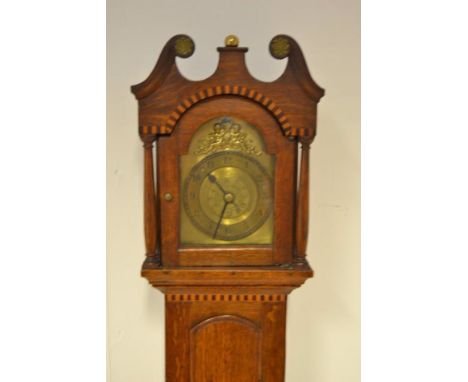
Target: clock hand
[[213, 180], [220, 218]]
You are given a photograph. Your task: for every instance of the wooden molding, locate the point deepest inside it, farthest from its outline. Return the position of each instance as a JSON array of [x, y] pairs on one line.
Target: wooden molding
[[236, 90], [166, 94], [163, 66], [201, 297], [274, 278]]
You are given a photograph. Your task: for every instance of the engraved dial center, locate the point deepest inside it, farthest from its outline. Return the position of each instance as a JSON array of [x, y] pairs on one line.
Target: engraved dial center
[[229, 198], [233, 186]]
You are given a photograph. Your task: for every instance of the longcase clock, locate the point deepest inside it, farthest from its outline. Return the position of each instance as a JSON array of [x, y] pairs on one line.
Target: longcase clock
[[226, 207]]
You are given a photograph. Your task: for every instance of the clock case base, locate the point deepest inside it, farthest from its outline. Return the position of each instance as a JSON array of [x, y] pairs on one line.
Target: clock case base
[[226, 324]]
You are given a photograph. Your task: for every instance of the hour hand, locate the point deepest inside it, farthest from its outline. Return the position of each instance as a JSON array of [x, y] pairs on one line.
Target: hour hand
[[213, 180]]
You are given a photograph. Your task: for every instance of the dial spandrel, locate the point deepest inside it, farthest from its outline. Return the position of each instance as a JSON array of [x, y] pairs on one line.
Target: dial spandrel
[[227, 195]]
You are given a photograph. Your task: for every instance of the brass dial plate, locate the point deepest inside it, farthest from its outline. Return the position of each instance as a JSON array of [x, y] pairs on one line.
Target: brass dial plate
[[211, 142], [228, 195]]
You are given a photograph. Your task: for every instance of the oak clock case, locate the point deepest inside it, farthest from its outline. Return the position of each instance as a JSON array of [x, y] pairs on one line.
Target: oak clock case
[[226, 207]]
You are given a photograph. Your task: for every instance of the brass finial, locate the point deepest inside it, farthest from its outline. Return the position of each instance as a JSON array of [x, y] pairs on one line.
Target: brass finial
[[231, 41], [184, 46], [280, 47]]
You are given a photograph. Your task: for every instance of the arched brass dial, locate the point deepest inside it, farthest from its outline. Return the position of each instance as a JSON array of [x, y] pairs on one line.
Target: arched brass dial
[[228, 195]]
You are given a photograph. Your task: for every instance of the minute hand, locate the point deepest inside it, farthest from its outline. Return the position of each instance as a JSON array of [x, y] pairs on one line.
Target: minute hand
[[220, 218]]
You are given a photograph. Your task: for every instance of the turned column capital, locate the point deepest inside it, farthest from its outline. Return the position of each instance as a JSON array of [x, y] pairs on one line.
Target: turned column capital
[[148, 140], [306, 141]]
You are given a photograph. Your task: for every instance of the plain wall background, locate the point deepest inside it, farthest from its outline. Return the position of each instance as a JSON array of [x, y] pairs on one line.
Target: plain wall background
[[323, 329]]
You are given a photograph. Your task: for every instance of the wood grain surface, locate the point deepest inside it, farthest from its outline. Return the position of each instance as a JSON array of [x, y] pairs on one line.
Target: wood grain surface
[[226, 305]]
